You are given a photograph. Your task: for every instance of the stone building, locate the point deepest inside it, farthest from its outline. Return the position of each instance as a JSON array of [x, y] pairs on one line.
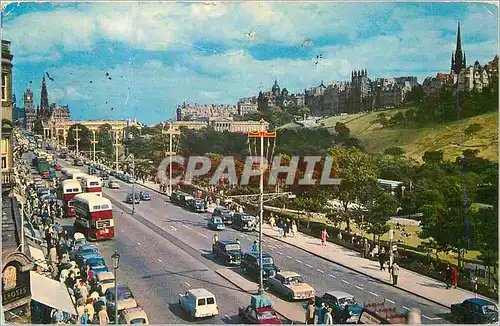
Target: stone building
[[248, 105], [202, 112], [336, 98], [7, 117], [314, 99], [359, 94], [432, 85], [473, 78], [220, 124]]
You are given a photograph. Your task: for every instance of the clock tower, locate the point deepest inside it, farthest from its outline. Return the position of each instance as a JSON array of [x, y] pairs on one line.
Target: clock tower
[[30, 113], [28, 99]]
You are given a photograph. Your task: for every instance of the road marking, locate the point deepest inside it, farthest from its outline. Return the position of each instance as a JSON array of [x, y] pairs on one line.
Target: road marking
[[298, 261], [202, 235], [187, 283], [332, 275], [263, 241], [272, 249], [375, 294], [435, 318], [159, 260], [319, 270], [279, 252], [390, 301], [187, 227], [426, 317], [310, 266], [139, 243], [405, 307], [359, 287], [289, 257], [345, 281]]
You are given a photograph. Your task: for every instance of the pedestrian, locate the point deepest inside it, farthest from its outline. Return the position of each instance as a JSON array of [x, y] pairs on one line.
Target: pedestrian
[[90, 308], [294, 229], [328, 320], [216, 238], [324, 236], [345, 314], [272, 221], [57, 316], [395, 273], [85, 318], [280, 228], [322, 313], [339, 236], [103, 316], [286, 229], [310, 313], [454, 277], [238, 242], [255, 246], [447, 278], [381, 260], [70, 280]]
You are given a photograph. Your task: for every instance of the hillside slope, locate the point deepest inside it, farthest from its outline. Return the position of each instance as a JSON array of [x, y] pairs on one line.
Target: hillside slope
[[449, 137]]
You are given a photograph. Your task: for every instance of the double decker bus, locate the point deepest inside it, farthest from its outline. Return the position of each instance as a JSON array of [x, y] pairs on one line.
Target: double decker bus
[[70, 188], [92, 184], [94, 216]]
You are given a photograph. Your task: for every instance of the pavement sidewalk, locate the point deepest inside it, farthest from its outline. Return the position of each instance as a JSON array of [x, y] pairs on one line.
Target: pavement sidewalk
[[411, 282]]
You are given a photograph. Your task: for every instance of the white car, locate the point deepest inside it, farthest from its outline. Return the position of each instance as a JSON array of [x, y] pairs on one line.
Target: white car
[[106, 280], [113, 184], [291, 285], [199, 303]]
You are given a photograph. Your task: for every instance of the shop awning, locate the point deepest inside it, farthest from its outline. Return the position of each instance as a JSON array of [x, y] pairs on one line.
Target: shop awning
[[51, 293], [38, 257]]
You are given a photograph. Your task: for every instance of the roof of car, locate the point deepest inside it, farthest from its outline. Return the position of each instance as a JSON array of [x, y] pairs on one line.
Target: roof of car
[[133, 313], [288, 274], [256, 254], [201, 293], [339, 294], [95, 258], [479, 301], [228, 242], [104, 276]]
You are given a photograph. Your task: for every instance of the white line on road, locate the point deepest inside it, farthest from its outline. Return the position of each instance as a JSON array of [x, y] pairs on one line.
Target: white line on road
[[390, 301], [139, 243], [345, 281], [279, 252], [435, 318], [202, 235], [159, 260], [405, 307], [319, 270], [426, 317], [359, 287], [187, 283], [375, 294], [332, 275], [310, 266], [298, 261], [289, 257], [272, 249], [187, 227]]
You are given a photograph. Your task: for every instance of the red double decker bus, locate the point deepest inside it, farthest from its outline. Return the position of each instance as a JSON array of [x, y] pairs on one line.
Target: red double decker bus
[[94, 216], [91, 184], [70, 188]]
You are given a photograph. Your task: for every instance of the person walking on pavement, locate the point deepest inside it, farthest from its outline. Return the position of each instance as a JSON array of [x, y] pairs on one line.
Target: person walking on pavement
[[395, 273], [345, 315], [286, 229], [272, 221], [103, 316], [454, 277], [324, 236], [328, 320], [447, 278], [310, 313], [322, 313], [255, 246], [381, 260], [84, 319], [238, 241], [294, 229]]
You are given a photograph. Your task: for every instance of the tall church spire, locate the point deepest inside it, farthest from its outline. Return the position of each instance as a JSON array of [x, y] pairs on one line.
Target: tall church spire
[[44, 100], [458, 58]]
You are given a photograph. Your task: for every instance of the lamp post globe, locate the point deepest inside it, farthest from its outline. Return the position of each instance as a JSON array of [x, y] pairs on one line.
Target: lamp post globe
[[116, 263]]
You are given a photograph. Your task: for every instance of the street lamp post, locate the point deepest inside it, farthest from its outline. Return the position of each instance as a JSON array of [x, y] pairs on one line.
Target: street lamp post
[[116, 262], [391, 257], [133, 184]]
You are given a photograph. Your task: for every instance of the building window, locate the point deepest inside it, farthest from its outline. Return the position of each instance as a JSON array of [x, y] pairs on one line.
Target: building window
[[4, 86], [5, 153]]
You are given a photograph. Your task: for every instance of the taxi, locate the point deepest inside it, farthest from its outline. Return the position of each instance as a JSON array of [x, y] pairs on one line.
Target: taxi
[[216, 223], [133, 316]]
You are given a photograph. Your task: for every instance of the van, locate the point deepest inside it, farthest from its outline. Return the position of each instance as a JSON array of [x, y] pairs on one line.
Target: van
[[199, 303]]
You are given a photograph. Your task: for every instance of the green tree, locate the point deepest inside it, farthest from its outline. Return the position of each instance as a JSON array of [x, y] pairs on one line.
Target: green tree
[[105, 140], [356, 169], [85, 136], [309, 205], [473, 129], [433, 157], [394, 151], [486, 234], [382, 119], [38, 127], [342, 130]]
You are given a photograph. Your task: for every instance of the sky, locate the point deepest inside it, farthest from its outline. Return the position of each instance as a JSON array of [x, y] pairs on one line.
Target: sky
[[141, 60]]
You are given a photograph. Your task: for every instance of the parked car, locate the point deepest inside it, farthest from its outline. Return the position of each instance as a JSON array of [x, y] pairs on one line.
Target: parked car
[[144, 195], [227, 251], [104, 176], [244, 222], [106, 280], [82, 248], [197, 205], [113, 184], [475, 311], [215, 223], [291, 285], [125, 300], [260, 311], [82, 258], [98, 265], [223, 213], [250, 265], [133, 316], [199, 303], [129, 199], [338, 300]]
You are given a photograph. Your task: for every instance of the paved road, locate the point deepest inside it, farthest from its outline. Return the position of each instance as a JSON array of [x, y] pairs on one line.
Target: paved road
[[322, 275], [190, 229]]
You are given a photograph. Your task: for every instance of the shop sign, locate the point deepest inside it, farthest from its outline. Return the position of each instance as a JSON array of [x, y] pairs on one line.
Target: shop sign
[[15, 284]]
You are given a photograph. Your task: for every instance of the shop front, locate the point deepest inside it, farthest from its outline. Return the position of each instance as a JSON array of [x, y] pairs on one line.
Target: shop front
[[16, 288]]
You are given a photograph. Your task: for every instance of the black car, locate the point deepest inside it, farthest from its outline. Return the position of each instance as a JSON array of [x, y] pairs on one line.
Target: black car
[[224, 214], [104, 176], [228, 252], [475, 311], [244, 222], [250, 265], [197, 205]]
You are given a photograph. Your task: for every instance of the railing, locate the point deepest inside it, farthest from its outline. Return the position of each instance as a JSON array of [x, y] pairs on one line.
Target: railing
[[8, 178]]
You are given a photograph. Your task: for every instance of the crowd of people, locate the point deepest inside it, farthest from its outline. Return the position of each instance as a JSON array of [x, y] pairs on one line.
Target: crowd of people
[[41, 212]]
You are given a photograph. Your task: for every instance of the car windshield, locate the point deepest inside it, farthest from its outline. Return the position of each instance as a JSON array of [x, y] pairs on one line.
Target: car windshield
[[346, 301], [124, 294], [98, 263], [233, 247], [145, 194], [138, 321], [107, 281], [266, 315], [88, 251], [490, 309], [267, 261], [294, 280], [217, 220]]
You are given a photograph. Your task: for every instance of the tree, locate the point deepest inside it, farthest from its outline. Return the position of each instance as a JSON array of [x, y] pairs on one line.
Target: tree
[[84, 135], [342, 130], [379, 212], [486, 234], [394, 151], [38, 127], [472, 129], [433, 157], [308, 205], [382, 119], [105, 140], [356, 169]]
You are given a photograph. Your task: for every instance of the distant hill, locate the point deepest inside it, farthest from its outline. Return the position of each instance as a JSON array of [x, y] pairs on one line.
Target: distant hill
[[449, 137]]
